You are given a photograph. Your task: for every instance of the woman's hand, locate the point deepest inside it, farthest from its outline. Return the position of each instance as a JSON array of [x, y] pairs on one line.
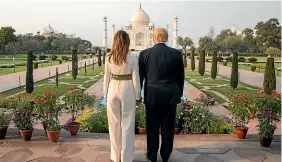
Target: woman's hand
[[138, 102]]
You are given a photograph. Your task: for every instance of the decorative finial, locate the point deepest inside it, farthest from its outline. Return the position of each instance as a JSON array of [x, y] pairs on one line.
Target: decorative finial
[[140, 6]]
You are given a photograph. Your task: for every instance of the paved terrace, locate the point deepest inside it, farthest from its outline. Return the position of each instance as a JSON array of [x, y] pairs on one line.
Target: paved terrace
[[92, 147]]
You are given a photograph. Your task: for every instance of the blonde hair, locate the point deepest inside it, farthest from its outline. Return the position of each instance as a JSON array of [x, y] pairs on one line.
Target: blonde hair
[[120, 48], [160, 35]]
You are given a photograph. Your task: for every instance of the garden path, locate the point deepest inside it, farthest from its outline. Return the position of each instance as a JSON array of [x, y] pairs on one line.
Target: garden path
[[249, 77], [15, 80]]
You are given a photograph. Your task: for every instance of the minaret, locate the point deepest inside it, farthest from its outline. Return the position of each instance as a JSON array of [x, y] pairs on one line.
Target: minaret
[[105, 33], [167, 32], [175, 32], [113, 32]]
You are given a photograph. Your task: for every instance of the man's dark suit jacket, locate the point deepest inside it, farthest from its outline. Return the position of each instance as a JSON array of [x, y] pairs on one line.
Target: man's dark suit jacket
[[163, 70]]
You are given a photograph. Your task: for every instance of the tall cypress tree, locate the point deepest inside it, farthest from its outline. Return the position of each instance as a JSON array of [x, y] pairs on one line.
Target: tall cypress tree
[[234, 79], [57, 77], [74, 64], [104, 57], [269, 82], [99, 58], [85, 68], [193, 59], [93, 64], [202, 62], [29, 73], [185, 60], [214, 65]]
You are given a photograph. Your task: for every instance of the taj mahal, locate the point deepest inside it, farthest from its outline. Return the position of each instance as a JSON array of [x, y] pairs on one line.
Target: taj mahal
[[140, 30]]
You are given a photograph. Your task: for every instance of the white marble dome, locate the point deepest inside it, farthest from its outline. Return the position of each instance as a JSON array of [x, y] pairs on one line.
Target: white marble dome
[[140, 18]]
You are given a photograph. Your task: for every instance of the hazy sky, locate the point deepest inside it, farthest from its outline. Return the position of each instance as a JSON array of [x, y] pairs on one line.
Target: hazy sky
[[84, 17]]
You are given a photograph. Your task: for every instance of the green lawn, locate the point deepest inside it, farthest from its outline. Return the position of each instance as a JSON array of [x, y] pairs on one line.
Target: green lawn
[[217, 98], [84, 80], [4, 71], [221, 85], [259, 70]]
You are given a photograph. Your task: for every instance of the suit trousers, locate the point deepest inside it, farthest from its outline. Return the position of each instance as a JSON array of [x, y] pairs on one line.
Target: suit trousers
[[160, 116], [121, 106]]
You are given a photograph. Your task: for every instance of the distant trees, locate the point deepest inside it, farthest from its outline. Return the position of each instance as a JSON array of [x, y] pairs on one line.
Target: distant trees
[[23, 42], [185, 43]]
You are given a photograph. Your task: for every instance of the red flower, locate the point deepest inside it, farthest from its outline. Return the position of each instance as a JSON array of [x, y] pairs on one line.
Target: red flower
[[186, 118], [273, 115], [44, 101]]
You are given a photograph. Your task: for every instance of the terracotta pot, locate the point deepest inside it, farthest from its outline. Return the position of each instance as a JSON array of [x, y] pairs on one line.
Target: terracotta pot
[[176, 130], [265, 142], [142, 130], [73, 127], [3, 132], [53, 135], [241, 132], [26, 134]]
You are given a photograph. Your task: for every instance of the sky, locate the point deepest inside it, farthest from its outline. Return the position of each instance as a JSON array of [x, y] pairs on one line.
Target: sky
[[84, 17]]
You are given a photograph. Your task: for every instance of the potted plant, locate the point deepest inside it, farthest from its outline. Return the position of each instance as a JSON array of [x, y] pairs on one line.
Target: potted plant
[[75, 102], [53, 129], [198, 117], [141, 119], [267, 125], [268, 116], [239, 107], [44, 105], [23, 115], [5, 118], [178, 118]]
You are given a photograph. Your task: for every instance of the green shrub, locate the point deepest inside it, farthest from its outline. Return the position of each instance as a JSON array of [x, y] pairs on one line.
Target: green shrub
[[98, 122], [140, 118], [202, 62], [193, 59], [219, 58], [35, 65], [197, 57], [241, 59], [34, 57], [65, 58], [220, 126], [252, 59], [60, 61], [214, 65], [228, 59], [234, 79], [54, 57], [224, 63], [43, 57], [29, 73], [21, 64], [253, 68], [84, 57], [269, 83]]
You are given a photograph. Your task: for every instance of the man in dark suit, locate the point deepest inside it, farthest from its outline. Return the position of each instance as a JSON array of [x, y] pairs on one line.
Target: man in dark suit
[[163, 71]]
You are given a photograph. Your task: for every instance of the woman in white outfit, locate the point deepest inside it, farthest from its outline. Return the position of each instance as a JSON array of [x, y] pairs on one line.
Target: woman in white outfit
[[122, 93]]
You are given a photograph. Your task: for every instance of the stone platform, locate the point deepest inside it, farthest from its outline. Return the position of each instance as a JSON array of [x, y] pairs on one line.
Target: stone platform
[[93, 147]]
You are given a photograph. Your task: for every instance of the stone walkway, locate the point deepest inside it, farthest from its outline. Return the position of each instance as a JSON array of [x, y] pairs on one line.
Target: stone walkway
[[16, 80], [91, 147], [249, 77]]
